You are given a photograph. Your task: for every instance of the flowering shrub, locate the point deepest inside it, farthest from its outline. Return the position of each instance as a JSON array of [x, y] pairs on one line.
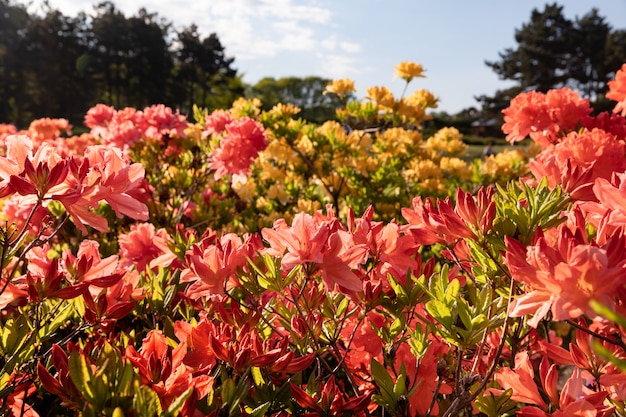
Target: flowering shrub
[[249, 264]]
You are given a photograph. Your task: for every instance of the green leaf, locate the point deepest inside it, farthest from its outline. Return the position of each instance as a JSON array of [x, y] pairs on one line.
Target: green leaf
[[606, 312], [384, 382], [257, 376], [81, 375], [146, 401], [260, 410], [452, 290], [177, 404], [605, 353], [440, 312], [397, 327]]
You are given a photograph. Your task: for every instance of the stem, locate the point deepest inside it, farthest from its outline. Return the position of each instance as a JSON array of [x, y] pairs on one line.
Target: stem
[[464, 398], [613, 341]]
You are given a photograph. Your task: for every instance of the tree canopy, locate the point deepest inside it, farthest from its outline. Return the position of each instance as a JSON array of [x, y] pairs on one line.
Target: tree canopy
[[554, 51], [54, 65], [305, 93]]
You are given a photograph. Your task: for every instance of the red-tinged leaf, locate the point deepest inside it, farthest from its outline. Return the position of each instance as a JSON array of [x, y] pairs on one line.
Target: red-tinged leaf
[[269, 358], [59, 359], [22, 186], [218, 349], [105, 282], [299, 364], [357, 404], [120, 310], [48, 381], [6, 190], [303, 399], [579, 357], [57, 174], [73, 291]]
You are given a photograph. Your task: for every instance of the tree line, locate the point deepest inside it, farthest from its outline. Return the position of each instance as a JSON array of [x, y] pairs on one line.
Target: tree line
[[55, 65], [553, 52]]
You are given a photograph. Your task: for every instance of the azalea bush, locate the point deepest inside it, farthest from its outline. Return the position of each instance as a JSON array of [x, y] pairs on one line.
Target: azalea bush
[[247, 263]]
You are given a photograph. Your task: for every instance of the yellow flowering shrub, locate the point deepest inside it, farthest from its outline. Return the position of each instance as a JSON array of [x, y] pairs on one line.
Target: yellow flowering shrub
[[374, 153]]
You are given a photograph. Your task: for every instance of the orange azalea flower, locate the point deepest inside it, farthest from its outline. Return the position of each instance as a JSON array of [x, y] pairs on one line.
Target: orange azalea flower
[[617, 91], [161, 368], [117, 181], [595, 149], [330, 401], [429, 224], [391, 250], [216, 122], [159, 122], [19, 148], [611, 196]]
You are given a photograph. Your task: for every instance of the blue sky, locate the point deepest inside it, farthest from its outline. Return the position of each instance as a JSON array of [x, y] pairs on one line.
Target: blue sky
[[365, 39]]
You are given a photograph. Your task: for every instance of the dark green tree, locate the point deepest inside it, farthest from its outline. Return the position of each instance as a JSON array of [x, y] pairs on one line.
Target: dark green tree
[[553, 51], [203, 73], [57, 88], [14, 105], [305, 93]]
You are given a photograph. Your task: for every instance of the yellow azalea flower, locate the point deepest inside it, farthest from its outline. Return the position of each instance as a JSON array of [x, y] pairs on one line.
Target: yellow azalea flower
[[284, 110], [365, 165], [408, 70], [421, 170], [278, 192], [398, 141], [382, 96], [246, 191], [447, 140], [423, 98], [261, 203], [279, 150], [433, 186], [246, 107], [360, 141], [332, 129], [409, 111], [504, 165], [456, 167], [305, 145], [194, 132], [340, 87], [308, 206]]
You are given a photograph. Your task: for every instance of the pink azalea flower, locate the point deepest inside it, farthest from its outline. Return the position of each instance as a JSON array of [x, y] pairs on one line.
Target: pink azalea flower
[[159, 121], [240, 145], [617, 91], [543, 116], [139, 247], [563, 274], [322, 246], [216, 122]]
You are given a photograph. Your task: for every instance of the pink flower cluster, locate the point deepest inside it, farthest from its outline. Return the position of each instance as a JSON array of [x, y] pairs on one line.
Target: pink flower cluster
[[80, 184], [240, 141], [125, 127]]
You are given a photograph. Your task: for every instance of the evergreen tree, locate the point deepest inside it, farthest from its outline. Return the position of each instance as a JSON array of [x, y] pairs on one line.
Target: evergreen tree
[[553, 51]]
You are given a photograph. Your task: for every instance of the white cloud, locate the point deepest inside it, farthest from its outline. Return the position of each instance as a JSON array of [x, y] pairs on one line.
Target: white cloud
[[337, 66], [350, 47]]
